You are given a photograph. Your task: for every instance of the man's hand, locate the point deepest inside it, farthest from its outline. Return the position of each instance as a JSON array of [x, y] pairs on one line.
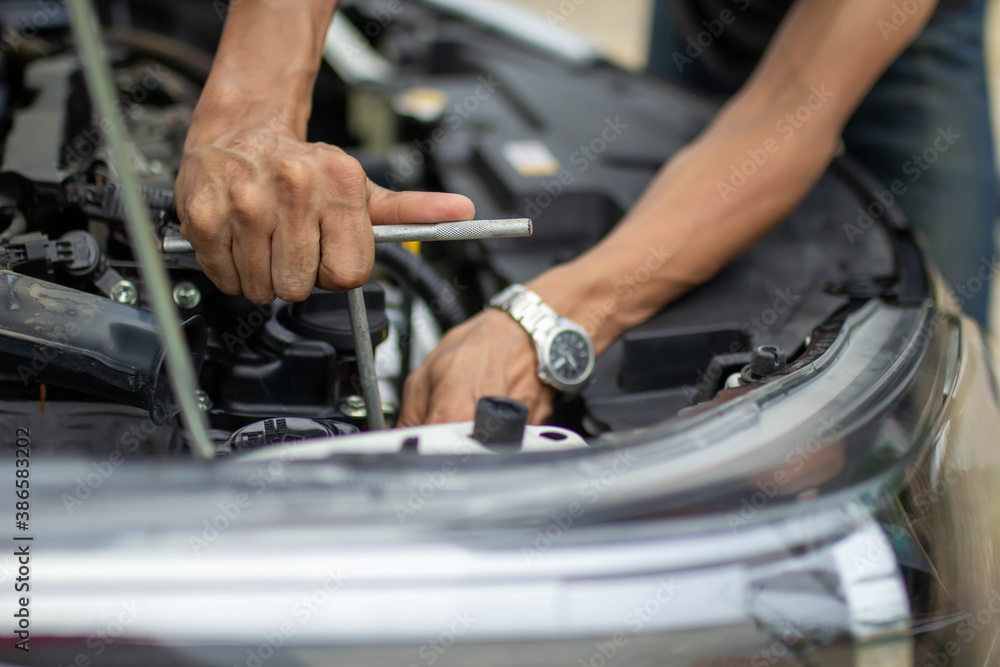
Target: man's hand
[[270, 215], [490, 355]]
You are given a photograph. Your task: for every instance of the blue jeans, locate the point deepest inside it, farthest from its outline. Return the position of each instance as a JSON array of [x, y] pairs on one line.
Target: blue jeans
[[932, 98]]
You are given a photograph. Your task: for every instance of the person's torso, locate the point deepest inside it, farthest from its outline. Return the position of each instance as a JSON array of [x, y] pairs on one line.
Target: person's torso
[[731, 35]]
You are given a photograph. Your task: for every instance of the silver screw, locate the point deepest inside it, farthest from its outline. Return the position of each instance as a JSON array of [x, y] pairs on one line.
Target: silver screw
[[187, 295], [124, 292], [354, 407], [204, 402]]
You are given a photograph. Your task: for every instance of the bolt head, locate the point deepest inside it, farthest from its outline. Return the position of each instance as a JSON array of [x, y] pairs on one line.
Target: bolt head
[[125, 292], [204, 401], [354, 407], [187, 295]]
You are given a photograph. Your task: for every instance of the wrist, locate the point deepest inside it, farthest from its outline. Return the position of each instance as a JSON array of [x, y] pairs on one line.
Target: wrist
[[224, 108], [584, 297], [264, 70]]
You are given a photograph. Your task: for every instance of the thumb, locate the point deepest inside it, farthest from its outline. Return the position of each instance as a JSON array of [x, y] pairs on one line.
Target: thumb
[[386, 207]]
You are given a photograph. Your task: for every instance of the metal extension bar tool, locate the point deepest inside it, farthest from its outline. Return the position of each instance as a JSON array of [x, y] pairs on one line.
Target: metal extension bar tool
[[465, 230]]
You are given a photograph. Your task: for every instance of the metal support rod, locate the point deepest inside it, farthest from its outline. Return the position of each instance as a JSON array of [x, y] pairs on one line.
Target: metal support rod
[[97, 73], [465, 230], [366, 358]]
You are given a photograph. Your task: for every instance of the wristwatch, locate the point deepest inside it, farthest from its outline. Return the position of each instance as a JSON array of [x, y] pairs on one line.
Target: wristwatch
[[565, 351]]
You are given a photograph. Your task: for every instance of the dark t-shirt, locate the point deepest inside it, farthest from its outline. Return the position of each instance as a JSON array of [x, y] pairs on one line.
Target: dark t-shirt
[[738, 31]]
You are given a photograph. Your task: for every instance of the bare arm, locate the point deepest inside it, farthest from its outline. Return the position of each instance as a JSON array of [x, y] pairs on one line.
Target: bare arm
[[823, 61], [267, 213], [694, 218]]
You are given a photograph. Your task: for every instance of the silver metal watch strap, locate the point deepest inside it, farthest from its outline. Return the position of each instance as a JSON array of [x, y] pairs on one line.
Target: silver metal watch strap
[[542, 323], [527, 308]]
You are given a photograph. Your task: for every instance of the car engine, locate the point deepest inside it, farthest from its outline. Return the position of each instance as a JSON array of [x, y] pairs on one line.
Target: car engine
[[444, 100]]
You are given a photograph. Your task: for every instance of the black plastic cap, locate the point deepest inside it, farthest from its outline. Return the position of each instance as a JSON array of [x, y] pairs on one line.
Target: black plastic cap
[[500, 421], [324, 316], [765, 360]]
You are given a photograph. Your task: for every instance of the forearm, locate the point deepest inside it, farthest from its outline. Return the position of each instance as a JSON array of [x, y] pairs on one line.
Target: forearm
[[265, 68], [744, 174], [705, 207], [270, 215]]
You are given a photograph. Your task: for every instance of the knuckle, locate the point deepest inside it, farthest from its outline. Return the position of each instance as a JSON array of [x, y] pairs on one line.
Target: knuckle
[[227, 288], [347, 175], [245, 199], [199, 216], [293, 289], [347, 275], [225, 284], [347, 266], [259, 296], [293, 176]]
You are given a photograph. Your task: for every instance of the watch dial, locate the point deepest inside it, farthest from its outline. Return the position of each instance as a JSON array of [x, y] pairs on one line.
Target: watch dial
[[569, 356]]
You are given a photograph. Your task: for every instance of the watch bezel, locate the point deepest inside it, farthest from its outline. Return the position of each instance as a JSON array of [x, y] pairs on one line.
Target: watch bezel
[[543, 345]]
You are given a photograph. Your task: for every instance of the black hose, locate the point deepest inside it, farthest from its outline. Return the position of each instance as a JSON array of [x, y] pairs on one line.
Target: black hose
[[157, 199], [186, 59], [413, 273]]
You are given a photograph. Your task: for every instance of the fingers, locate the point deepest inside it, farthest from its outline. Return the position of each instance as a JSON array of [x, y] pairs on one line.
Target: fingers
[[540, 405], [455, 391], [254, 216], [490, 355], [415, 395], [295, 244], [278, 217], [212, 242], [295, 257], [395, 208], [347, 243]]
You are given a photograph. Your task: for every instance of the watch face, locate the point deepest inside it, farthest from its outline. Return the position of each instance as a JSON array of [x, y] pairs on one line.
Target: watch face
[[569, 356]]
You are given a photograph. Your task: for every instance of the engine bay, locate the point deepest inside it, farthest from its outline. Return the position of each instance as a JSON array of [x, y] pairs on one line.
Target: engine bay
[[455, 104]]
